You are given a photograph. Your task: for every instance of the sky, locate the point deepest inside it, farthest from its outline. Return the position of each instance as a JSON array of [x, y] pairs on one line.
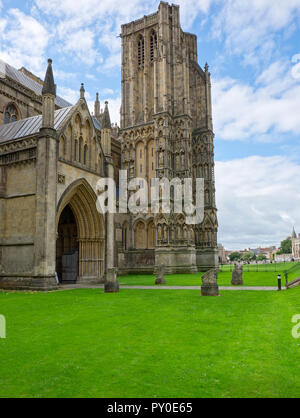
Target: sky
[[253, 50]]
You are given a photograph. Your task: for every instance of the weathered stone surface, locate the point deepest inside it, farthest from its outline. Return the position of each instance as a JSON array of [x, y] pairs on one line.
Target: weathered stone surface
[[237, 276], [160, 275], [210, 284], [111, 284], [293, 283], [48, 171]]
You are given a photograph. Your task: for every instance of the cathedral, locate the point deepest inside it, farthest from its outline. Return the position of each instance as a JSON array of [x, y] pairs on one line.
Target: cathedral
[[295, 245], [53, 153]]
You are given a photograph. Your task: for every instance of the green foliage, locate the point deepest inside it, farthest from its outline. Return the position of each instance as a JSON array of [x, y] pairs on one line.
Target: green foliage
[[235, 256], [286, 247], [261, 257], [249, 256], [85, 343]]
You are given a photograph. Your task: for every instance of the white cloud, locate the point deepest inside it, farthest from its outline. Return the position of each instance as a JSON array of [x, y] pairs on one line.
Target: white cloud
[[114, 109], [81, 44], [71, 95], [114, 106], [24, 41], [79, 24], [107, 92], [264, 110], [258, 200], [250, 27]]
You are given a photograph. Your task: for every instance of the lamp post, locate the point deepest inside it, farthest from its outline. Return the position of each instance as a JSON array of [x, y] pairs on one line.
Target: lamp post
[[279, 282]]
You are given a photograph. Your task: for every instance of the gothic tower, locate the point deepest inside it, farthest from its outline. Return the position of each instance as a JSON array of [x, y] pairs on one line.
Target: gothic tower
[[166, 131]]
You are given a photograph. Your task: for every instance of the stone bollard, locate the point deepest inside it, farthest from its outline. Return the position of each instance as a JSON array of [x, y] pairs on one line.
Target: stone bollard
[[210, 284], [160, 275], [237, 276], [111, 284]]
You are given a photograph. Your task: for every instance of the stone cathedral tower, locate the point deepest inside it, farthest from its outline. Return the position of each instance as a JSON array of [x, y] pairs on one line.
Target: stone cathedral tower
[[167, 131]]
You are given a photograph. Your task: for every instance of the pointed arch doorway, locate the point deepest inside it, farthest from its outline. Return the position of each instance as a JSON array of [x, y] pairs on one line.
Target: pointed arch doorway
[[67, 250], [80, 245]]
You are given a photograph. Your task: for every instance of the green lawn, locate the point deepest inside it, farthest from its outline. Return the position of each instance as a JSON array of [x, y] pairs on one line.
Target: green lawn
[[274, 267], [224, 279], [85, 343]]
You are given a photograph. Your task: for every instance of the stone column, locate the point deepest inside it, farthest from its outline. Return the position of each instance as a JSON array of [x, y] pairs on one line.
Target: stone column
[[45, 229], [110, 219]]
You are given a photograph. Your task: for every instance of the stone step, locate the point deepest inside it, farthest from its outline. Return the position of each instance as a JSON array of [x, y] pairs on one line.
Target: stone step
[[293, 283]]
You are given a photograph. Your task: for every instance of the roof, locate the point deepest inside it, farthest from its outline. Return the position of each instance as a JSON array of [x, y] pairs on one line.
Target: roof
[[7, 71], [31, 126], [97, 124]]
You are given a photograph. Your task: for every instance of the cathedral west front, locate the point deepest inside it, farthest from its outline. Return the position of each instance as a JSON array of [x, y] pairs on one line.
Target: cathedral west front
[[53, 153]]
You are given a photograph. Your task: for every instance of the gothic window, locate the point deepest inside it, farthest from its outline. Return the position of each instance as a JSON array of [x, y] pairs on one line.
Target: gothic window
[[141, 51], [79, 149], [140, 236], [62, 147], [85, 154], [153, 45], [125, 236], [151, 235], [75, 150], [11, 114]]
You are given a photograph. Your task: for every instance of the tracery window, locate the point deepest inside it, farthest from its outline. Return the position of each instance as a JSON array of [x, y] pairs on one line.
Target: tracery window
[[141, 51], [11, 114]]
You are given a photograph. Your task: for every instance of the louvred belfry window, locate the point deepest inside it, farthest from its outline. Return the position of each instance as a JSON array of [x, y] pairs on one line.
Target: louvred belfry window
[[153, 45], [141, 51]]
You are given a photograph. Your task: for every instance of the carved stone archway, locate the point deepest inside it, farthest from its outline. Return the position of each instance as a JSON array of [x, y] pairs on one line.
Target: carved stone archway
[[90, 230]]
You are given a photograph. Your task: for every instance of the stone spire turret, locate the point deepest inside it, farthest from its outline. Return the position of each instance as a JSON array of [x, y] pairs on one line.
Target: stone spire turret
[[294, 235], [97, 106], [49, 87], [106, 131], [82, 91], [48, 97], [106, 123]]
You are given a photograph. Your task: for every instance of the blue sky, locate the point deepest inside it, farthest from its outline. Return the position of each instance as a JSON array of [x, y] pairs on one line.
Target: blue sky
[[253, 49]]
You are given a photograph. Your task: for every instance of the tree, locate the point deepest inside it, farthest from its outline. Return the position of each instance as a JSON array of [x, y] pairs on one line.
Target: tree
[[235, 256], [286, 246], [261, 257], [249, 256]]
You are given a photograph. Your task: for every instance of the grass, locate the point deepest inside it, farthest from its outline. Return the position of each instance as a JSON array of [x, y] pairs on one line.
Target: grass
[[85, 343], [274, 267], [256, 276], [251, 278]]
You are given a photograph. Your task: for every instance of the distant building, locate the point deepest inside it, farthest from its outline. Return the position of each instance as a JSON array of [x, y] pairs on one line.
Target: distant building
[[222, 254], [283, 258], [295, 245]]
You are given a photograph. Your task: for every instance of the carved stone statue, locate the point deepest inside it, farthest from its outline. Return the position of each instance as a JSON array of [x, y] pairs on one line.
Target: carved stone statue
[[160, 275], [237, 276], [210, 284]]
